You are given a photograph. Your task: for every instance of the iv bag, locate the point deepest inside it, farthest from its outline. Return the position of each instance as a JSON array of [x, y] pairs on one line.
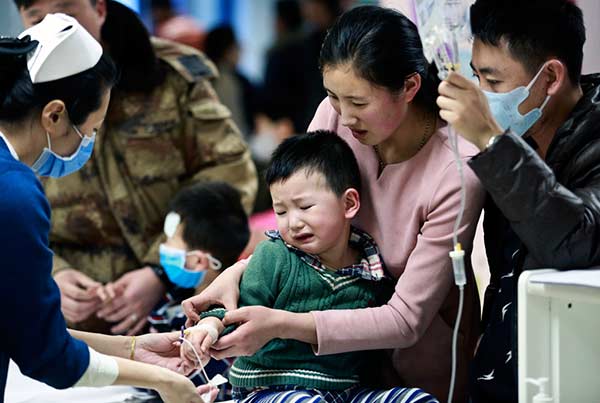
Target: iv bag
[[446, 33]]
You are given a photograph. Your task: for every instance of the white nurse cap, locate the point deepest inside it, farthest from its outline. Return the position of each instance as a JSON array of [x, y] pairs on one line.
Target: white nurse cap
[[65, 48]]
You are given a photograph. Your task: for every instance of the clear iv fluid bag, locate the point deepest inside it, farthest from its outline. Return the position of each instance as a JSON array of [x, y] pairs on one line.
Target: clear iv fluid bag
[[445, 31]]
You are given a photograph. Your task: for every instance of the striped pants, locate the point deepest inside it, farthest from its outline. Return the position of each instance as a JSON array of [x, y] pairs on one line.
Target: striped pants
[[352, 395]]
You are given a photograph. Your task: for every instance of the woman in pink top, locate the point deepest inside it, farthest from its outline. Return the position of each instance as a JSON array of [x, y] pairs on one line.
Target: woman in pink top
[[381, 100]]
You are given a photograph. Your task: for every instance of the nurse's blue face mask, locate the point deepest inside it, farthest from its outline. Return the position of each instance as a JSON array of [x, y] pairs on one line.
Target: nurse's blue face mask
[[53, 165], [505, 107], [173, 261]]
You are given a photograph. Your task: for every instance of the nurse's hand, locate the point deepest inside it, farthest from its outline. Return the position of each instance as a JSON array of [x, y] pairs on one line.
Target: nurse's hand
[[224, 291], [209, 393], [137, 293], [78, 296], [162, 349], [179, 389]]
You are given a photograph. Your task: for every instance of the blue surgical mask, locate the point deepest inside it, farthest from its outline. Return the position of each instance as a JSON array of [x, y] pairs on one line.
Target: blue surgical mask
[[505, 108], [173, 262], [51, 164]]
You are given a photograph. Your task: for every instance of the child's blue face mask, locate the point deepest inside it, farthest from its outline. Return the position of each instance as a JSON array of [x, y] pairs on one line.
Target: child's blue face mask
[[51, 164], [173, 261], [505, 108]]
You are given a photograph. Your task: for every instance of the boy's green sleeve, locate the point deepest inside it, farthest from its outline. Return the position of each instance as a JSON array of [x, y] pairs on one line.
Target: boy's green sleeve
[[261, 281], [217, 312]]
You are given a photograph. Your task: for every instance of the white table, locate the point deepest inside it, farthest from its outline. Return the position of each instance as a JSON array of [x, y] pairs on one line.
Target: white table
[[559, 334]]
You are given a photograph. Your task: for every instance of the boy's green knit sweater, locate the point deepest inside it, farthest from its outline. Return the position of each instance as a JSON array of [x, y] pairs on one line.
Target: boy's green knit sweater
[[277, 277]]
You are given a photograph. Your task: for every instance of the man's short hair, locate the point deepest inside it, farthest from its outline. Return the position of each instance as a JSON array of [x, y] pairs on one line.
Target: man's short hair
[[320, 151], [214, 220], [535, 31]]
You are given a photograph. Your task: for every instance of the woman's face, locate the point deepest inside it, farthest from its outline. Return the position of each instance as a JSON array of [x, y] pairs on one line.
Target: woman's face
[[372, 113], [67, 145]]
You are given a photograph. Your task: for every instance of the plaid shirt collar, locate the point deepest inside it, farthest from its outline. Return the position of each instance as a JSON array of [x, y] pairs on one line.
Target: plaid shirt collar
[[370, 267]]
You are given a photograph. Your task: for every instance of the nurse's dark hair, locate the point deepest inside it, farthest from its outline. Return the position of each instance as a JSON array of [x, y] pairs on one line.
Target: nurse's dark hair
[[383, 47], [19, 97], [213, 220], [534, 30], [322, 152]]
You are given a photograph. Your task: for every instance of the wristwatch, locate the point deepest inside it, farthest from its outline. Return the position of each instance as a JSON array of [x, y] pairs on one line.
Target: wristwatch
[[492, 140]]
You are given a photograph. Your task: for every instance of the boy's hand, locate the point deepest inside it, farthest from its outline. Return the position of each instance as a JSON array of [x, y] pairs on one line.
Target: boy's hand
[[201, 336]]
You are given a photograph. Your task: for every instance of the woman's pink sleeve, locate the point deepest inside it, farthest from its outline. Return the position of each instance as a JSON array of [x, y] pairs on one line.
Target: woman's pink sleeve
[[421, 289]]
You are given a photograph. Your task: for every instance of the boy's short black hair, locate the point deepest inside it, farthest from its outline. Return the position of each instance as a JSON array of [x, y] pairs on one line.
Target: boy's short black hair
[[535, 31], [214, 220], [320, 151]]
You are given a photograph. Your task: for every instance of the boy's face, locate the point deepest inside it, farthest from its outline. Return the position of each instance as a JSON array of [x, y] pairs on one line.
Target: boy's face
[[196, 260], [310, 216]]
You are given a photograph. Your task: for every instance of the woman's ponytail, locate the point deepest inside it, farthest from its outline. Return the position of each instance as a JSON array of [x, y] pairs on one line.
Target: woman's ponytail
[[16, 88]]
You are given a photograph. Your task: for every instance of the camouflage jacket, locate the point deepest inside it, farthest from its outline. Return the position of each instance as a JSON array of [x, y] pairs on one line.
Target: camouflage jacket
[[107, 218]]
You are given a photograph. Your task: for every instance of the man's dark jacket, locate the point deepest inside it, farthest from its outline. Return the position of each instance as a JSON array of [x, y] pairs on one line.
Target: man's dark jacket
[[538, 214]]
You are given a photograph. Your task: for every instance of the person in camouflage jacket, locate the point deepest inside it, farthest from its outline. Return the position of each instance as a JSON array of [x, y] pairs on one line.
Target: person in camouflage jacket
[[165, 129]]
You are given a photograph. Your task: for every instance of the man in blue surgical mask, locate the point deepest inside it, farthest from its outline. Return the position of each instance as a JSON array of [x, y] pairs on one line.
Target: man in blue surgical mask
[[535, 119]]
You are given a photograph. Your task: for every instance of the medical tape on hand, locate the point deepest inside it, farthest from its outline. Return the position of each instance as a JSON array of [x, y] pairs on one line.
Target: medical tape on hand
[[212, 332]]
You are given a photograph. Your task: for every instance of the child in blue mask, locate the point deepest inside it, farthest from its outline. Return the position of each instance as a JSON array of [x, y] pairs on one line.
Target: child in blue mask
[[315, 260], [206, 229]]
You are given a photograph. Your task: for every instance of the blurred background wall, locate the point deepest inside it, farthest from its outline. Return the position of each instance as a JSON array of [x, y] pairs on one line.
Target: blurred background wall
[[253, 23]]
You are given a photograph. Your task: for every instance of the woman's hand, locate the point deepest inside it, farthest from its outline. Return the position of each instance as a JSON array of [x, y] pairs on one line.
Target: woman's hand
[[257, 326], [161, 349], [224, 290]]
